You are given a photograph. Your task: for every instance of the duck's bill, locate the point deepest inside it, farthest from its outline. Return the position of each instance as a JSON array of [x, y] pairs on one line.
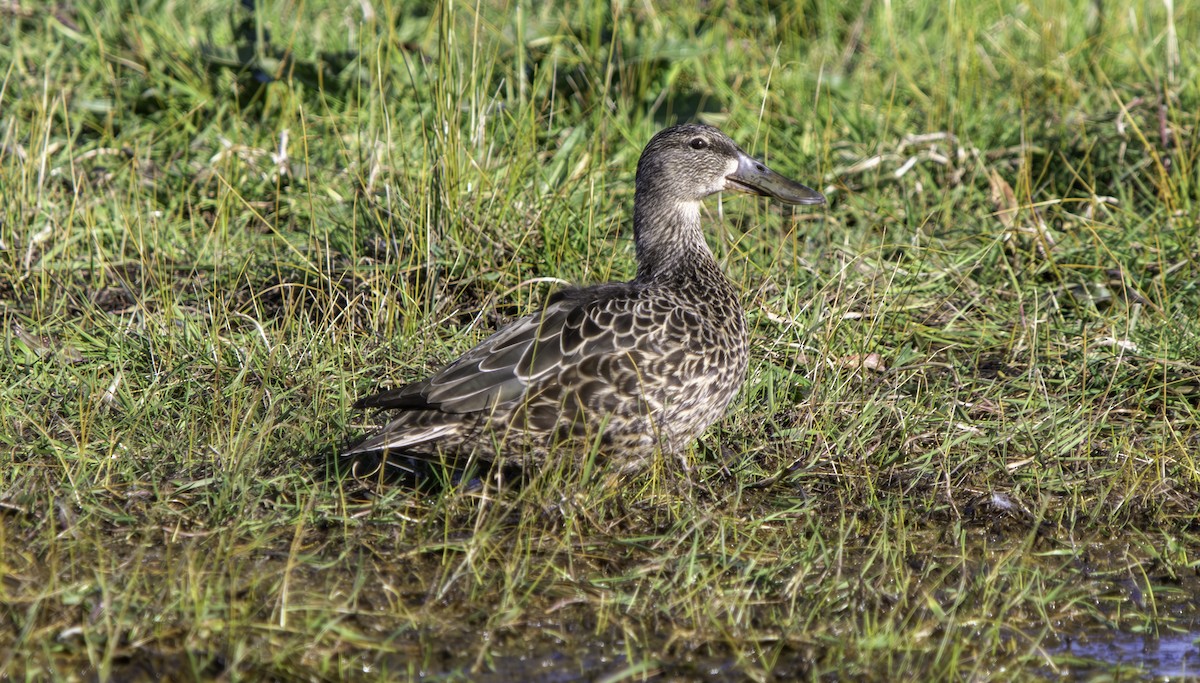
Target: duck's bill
[[754, 177]]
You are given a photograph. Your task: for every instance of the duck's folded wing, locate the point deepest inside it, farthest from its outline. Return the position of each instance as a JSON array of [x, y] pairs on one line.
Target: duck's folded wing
[[490, 378], [581, 355], [503, 367]]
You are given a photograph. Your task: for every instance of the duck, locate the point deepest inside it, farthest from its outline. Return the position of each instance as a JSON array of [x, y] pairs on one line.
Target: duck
[[627, 369]]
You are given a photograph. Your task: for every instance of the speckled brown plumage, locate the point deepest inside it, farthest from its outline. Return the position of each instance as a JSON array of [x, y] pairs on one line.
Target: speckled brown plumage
[[628, 367]]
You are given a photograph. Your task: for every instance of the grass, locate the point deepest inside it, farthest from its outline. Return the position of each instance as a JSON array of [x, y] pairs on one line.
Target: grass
[[970, 430]]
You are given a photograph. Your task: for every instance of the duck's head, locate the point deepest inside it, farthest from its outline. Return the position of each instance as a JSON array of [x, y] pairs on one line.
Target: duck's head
[[684, 164]]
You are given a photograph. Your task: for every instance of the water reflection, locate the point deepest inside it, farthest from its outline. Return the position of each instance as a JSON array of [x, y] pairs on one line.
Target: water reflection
[[1170, 654]]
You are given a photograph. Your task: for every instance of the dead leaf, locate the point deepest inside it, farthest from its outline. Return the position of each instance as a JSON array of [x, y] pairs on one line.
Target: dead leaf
[[1003, 198], [871, 361]]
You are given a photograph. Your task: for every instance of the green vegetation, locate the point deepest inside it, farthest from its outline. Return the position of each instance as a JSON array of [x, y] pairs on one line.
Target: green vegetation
[[971, 426]]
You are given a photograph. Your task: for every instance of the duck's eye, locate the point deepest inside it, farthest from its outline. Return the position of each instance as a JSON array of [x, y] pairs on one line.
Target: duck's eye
[[698, 143]]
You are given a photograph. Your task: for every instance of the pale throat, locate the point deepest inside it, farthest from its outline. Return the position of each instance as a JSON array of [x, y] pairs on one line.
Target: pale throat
[[688, 229], [689, 212]]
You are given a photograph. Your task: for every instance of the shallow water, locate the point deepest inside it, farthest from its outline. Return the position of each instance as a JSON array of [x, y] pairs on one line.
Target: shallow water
[[1174, 655]]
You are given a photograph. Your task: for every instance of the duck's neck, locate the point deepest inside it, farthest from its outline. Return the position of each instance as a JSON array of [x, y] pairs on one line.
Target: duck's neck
[[668, 237]]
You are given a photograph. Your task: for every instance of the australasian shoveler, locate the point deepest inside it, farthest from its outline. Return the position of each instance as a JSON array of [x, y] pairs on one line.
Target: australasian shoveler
[[625, 367]]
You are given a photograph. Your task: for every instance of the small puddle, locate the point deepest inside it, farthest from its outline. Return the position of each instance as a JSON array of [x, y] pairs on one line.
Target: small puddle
[[1171, 655]]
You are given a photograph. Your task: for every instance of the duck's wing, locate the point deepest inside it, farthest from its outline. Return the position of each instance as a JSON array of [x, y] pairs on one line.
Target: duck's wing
[[496, 371], [579, 344]]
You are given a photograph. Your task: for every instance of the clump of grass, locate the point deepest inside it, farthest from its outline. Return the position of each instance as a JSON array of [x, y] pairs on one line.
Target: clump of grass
[[969, 429]]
